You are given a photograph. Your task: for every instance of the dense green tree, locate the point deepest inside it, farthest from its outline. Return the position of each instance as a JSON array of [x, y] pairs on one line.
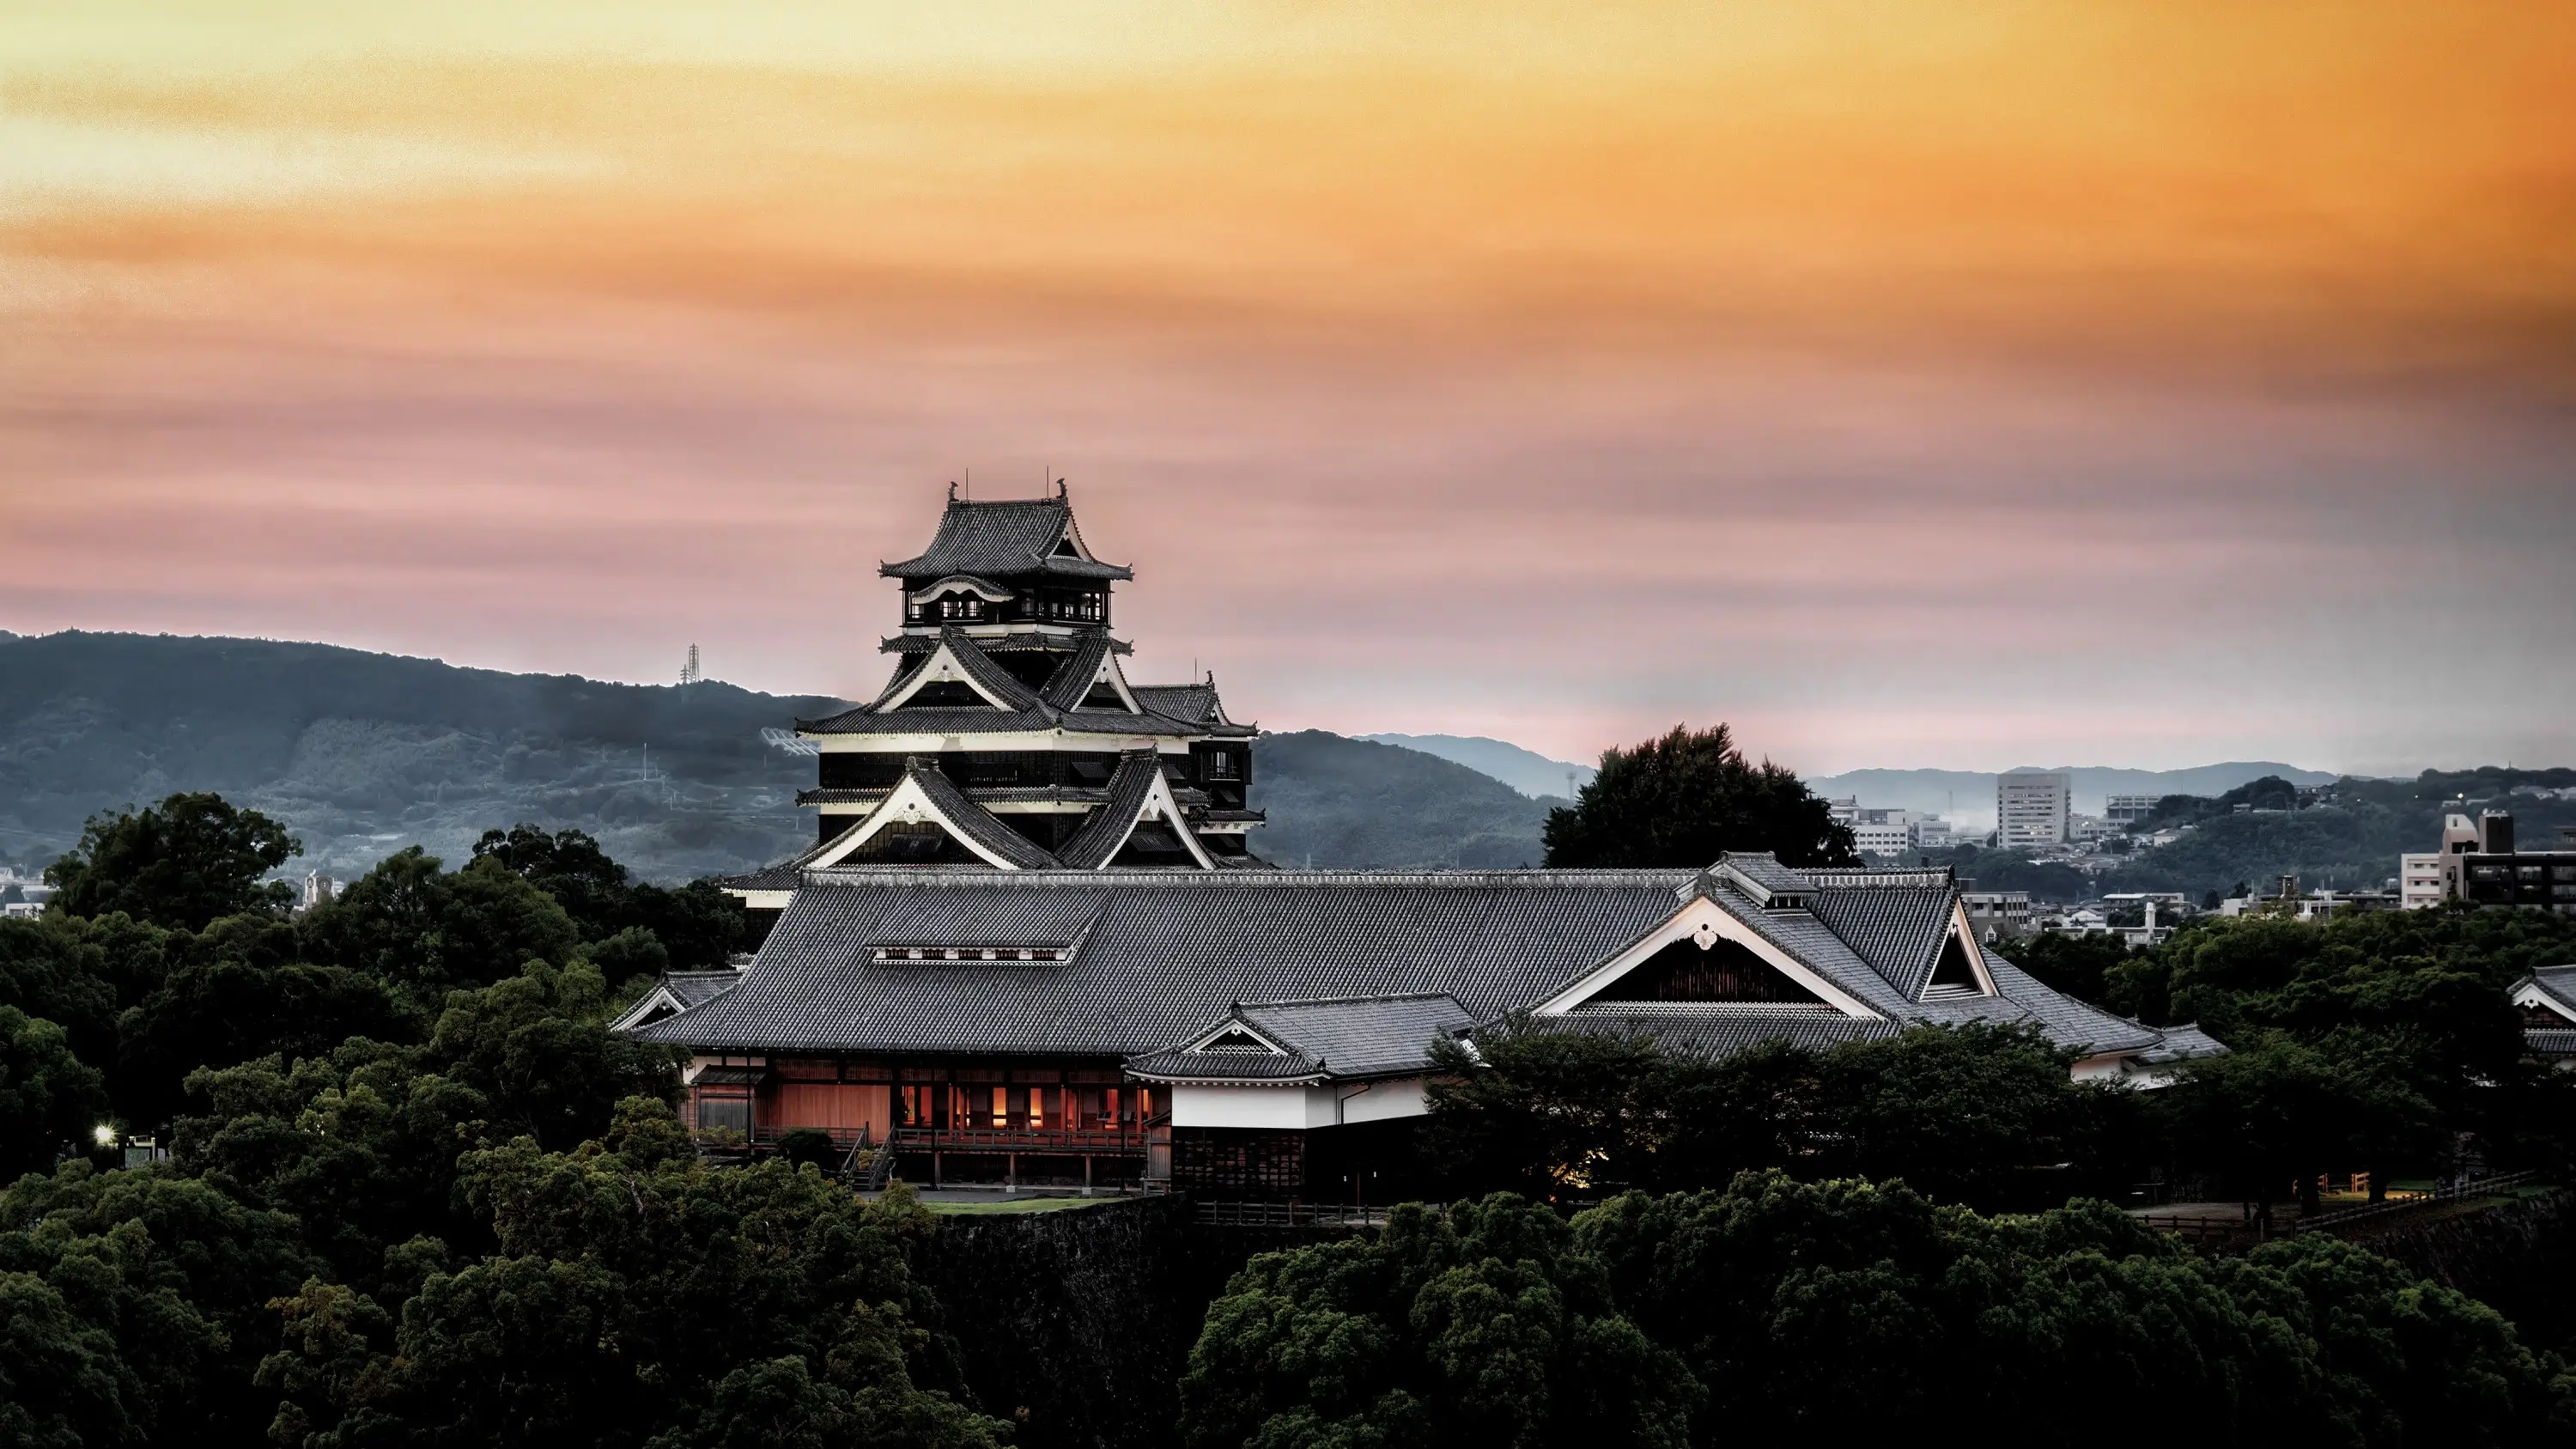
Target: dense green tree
[[2418, 996], [2075, 965], [696, 926], [638, 1297], [133, 1307], [1687, 798], [183, 863], [239, 993], [50, 968], [1480, 1325], [538, 1049], [2274, 1114], [1829, 1312], [359, 1146], [424, 931], [1972, 1114], [49, 1099], [1837, 1312]]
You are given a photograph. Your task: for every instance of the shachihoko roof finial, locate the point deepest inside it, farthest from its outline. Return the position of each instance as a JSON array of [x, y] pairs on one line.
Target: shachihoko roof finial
[[952, 490], [1059, 488]]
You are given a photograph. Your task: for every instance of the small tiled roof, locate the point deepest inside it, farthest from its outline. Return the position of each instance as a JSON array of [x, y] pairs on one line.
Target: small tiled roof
[[2067, 1021], [1001, 540], [973, 821], [1345, 1039], [1097, 842], [2182, 1043], [1046, 920], [1196, 703], [696, 988], [1897, 928], [1074, 674], [2550, 1041], [1764, 869], [1030, 709]]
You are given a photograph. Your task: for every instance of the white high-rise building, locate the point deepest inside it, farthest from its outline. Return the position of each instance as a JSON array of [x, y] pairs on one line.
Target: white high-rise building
[[2031, 807]]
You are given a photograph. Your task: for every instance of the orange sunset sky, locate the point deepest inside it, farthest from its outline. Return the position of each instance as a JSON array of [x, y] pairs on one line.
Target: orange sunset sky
[[1911, 384]]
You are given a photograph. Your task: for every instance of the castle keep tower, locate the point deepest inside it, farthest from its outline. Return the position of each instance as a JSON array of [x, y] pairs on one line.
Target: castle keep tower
[[1009, 736]]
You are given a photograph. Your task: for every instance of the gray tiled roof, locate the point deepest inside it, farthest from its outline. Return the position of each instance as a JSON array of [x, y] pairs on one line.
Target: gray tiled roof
[[2067, 1021], [1097, 842], [1764, 869], [1169, 952], [1717, 1036], [997, 540], [1897, 929], [1338, 1040]]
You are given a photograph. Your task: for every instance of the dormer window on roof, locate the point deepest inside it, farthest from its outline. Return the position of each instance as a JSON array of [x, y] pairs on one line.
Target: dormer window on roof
[[890, 954]]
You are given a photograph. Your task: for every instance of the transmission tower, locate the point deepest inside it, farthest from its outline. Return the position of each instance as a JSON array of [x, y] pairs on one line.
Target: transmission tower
[[690, 673]]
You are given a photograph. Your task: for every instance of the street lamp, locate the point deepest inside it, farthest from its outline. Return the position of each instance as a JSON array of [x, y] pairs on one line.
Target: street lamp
[[104, 1135]]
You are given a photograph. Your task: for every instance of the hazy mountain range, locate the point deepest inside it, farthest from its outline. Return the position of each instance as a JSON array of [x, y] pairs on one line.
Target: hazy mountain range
[[1527, 771], [362, 754]]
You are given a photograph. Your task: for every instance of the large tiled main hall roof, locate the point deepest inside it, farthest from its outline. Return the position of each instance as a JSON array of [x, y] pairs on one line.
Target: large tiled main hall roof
[[1165, 953]]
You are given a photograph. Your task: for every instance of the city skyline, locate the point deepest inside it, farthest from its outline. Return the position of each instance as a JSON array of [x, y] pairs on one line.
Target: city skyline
[[2149, 386]]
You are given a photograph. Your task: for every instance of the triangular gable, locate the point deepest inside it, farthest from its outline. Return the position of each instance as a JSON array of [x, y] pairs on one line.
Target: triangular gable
[[659, 1005], [2540, 1005], [946, 666], [910, 803], [1107, 688], [1703, 922], [1235, 1035], [1962, 962]]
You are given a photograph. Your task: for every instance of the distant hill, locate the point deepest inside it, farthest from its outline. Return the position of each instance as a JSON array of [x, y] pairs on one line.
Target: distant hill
[[1365, 805], [1527, 771], [362, 754], [1967, 798]]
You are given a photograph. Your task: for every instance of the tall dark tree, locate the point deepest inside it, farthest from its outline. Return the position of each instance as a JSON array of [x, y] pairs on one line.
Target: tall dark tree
[[1687, 798], [696, 925], [182, 863], [49, 1099]]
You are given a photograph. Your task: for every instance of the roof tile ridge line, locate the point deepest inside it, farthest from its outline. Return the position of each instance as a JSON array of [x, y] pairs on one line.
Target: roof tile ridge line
[[1346, 1000]]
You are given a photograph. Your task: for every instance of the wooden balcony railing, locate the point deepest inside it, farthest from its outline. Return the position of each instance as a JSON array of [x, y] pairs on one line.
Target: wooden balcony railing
[[1071, 1141]]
